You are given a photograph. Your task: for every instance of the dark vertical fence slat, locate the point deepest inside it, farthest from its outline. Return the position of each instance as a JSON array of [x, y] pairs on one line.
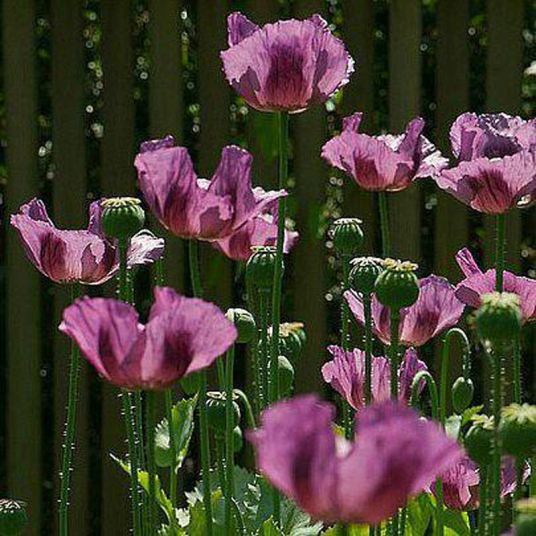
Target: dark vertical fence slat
[[117, 179], [358, 35], [165, 101], [23, 283], [503, 92], [404, 104], [70, 209], [214, 96], [309, 129], [451, 225]]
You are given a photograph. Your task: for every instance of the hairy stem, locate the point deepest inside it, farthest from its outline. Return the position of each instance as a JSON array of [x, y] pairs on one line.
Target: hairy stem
[[384, 223]]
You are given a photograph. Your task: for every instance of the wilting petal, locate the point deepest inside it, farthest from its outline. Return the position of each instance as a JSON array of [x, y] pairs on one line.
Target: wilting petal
[[493, 186], [144, 248], [460, 485], [286, 66], [467, 263]]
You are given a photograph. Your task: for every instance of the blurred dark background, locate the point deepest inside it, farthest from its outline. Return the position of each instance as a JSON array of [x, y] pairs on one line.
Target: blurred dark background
[[84, 82]]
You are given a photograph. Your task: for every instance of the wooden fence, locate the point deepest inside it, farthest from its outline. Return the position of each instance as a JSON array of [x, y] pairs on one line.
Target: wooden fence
[[33, 360]]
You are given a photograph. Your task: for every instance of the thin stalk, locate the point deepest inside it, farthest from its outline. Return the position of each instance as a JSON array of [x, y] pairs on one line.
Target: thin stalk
[[151, 464], [220, 455], [440, 530], [403, 517], [250, 416], [518, 387], [384, 223], [499, 252], [496, 458], [483, 494], [229, 440], [367, 306], [253, 304], [70, 429], [393, 352], [278, 277], [264, 357], [173, 453], [345, 328], [197, 289], [343, 530]]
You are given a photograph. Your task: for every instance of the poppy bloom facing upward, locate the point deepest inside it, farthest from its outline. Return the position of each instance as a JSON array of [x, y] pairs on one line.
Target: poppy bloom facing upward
[[286, 66], [346, 374], [387, 162], [84, 256], [395, 455], [183, 335], [197, 208], [436, 310], [477, 283]]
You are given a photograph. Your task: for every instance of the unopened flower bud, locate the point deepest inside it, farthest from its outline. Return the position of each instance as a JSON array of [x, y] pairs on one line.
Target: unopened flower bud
[[216, 411], [286, 375], [364, 272], [498, 320], [244, 324], [238, 439], [462, 394], [13, 517], [122, 217], [397, 286], [260, 268], [479, 439], [518, 430], [347, 235]]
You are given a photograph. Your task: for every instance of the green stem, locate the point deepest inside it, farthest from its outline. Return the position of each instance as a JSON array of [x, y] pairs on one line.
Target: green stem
[[254, 348], [439, 509], [483, 494], [70, 428], [264, 361], [343, 530], [133, 462], [403, 517], [496, 458], [384, 223], [195, 276], [278, 276], [173, 453], [345, 325], [151, 464], [367, 306], [250, 417], [425, 376], [393, 352], [499, 252], [518, 388], [229, 443], [220, 457]]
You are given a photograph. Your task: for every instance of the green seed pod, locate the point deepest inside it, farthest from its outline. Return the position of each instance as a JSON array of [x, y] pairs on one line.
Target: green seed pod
[[122, 217], [286, 375], [462, 394], [244, 324], [190, 384], [13, 517], [479, 440], [498, 320], [216, 411], [397, 286], [347, 235], [518, 430], [260, 268], [291, 339], [364, 272], [238, 439]]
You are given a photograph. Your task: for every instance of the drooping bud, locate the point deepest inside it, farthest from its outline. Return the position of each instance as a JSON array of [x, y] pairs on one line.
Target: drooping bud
[[238, 439], [216, 411], [364, 272], [13, 517], [122, 217], [244, 324], [518, 430], [286, 375], [347, 236], [479, 440], [462, 394], [498, 319], [260, 268], [397, 286]]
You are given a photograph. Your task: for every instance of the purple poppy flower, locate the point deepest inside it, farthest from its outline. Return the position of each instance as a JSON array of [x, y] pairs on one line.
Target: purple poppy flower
[[477, 283], [286, 66], [86, 257], [346, 374], [491, 136], [395, 455], [260, 231], [197, 208], [183, 335], [436, 310], [387, 162]]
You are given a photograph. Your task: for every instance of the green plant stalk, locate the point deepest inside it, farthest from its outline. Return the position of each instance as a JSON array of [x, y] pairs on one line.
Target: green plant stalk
[[518, 387], [483, 494], [345, 328], [264, 361], [496, 454], [250, 416], [278, 277], [229, 440], [440, 530], [151, 464], [70, 429], [403, 517], [252, 300], [204, 441], [499, 252], [343, 530], [173, 453], [367, 306], [532, 487], [393, 352], [384, 224]]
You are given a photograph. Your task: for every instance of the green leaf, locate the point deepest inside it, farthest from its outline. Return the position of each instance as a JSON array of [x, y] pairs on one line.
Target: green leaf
[[419, 512], [183, 427], [197, 525], [457, 522], [469, 413], [453, 426], [269, 528]]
